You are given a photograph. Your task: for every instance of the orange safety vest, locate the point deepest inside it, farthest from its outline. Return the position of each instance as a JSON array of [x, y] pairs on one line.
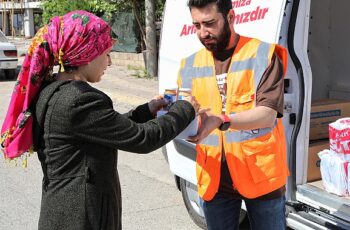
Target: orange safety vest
[[256, 158]]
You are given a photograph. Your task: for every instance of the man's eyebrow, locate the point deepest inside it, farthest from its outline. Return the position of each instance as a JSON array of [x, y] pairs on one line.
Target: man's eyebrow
[[208, 21]]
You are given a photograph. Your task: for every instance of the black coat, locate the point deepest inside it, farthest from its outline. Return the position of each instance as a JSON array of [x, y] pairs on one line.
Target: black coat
[[77, 134]]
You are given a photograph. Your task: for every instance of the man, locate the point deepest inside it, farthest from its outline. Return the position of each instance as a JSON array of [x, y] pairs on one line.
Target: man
[[241, 152]]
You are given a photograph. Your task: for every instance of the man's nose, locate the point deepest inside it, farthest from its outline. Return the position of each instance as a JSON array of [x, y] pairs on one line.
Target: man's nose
[[203, 32]]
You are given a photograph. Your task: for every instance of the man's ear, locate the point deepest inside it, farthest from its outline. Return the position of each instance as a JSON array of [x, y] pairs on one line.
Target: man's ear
[[231, 16]]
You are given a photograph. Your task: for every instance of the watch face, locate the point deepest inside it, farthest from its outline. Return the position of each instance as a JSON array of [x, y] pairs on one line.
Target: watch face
[[224, 126]]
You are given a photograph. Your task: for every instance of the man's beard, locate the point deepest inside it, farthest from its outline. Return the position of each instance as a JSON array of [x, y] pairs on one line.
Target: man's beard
[[222, 40]]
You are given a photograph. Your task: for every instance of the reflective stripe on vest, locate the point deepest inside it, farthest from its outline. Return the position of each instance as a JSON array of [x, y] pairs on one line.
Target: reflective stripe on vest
[[237, 136], [189, 72], [211, 140], [258, 64]]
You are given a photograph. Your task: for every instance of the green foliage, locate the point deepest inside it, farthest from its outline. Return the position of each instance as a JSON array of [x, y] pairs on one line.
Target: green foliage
[[159, 8], [52, 8], [60, 7], [38, 20], [139, 72], [123, 5], [104, 8]]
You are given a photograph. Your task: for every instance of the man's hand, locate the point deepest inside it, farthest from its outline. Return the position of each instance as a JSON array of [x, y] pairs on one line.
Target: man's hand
[[209, 122]]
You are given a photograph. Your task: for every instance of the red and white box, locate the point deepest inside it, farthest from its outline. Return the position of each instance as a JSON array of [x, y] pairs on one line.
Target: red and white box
[[339, 137]]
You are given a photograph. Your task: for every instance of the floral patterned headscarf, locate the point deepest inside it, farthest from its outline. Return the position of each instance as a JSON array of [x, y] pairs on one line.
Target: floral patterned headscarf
[[74, 39]]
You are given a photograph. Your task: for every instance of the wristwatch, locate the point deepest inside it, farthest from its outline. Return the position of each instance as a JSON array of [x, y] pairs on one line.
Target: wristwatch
[[225, 122]]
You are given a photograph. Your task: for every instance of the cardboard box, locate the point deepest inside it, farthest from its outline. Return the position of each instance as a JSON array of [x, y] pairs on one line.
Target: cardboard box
[[313, 165], [325, 112]]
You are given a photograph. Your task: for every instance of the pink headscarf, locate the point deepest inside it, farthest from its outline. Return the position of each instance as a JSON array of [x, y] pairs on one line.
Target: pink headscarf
[[71, 40]]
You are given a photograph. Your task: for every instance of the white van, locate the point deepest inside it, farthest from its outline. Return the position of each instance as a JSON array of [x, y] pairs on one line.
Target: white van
[[316, 34]]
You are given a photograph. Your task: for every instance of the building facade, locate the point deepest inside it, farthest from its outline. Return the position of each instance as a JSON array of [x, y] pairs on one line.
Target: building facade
[[17, 17]]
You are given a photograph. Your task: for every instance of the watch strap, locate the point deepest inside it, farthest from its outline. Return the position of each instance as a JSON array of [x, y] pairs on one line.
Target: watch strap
[[226, 122], [224, 118]]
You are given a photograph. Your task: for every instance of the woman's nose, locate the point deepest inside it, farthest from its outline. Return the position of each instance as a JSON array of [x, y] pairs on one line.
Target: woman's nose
[[109, 60]]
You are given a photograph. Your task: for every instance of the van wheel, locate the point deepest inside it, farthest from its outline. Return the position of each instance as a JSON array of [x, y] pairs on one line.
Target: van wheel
[[10, 74], [191, 199]]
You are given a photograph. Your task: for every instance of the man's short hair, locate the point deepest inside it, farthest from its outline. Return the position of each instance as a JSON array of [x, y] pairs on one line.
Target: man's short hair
[[224, 6]]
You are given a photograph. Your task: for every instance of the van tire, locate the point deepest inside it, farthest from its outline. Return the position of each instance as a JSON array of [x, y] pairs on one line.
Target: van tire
[[193, 207], [188, 191], [10, 74]]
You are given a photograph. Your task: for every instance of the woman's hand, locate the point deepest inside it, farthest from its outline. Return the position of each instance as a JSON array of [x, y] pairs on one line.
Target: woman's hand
[[156, 104]]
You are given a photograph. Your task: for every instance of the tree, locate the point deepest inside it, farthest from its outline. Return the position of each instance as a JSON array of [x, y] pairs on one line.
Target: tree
[[139, 9], [151, 39]]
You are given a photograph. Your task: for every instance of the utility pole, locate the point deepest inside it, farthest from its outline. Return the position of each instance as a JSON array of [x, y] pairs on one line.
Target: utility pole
[[4, 18], [151, 39]]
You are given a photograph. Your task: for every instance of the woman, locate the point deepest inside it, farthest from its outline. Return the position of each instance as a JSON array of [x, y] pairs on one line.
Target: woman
[[73, 126]]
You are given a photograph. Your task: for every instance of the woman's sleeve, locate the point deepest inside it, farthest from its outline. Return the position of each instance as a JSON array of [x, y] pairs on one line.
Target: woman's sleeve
[[140, 114], [93, 119]]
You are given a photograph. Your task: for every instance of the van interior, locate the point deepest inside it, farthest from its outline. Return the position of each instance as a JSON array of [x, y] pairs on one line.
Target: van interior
[[329, 56]]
